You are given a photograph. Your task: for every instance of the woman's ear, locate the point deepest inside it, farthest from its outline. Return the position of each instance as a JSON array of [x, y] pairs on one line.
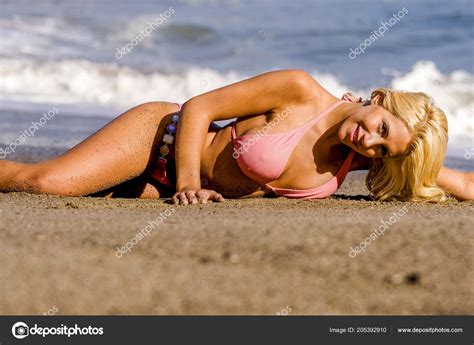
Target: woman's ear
[[376, 100]]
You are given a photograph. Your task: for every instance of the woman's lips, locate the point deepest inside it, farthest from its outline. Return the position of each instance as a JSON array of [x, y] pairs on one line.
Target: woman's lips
[[355, 135]]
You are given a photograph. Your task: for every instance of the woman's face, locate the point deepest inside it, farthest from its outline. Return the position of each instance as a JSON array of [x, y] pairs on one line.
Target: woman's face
[[374, 132]]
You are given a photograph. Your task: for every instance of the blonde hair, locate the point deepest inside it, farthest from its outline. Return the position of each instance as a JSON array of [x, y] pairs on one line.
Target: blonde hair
[[411, 177]]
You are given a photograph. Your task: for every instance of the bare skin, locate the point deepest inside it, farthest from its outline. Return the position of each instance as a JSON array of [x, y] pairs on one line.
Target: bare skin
[[316, 158], [117, 160], [119, 152]]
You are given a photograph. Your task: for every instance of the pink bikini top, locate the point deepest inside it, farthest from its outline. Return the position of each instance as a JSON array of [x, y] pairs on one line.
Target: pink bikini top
[[263, 157]]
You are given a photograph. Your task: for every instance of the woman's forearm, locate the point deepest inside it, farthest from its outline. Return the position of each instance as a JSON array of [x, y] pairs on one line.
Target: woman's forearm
[[190, 139], [469, 183], [457, 183]]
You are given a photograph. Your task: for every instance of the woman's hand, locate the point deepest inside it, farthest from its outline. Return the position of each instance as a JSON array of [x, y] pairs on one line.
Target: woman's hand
[[193, 197]]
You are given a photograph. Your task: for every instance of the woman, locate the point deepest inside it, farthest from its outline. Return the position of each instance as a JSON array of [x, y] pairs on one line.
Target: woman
[[276, 146]]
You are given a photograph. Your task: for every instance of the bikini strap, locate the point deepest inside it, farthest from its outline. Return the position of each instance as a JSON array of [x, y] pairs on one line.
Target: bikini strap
[[234, 130], [234, 133], [305, 126], [344, 169]]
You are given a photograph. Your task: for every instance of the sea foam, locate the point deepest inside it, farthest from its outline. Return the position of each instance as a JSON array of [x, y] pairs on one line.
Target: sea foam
[[112, 87]]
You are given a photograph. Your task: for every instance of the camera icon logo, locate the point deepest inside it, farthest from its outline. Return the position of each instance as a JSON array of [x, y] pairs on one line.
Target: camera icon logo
[[20, 330]]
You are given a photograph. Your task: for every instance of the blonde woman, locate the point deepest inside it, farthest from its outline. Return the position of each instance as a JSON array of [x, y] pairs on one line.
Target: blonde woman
[[291, 138]]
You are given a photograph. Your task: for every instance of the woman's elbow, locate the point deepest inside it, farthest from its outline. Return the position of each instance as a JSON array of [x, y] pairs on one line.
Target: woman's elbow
[[195, 110]]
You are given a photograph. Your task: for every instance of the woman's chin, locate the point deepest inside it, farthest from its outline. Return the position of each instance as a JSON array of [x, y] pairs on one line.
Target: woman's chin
[[344, 138]]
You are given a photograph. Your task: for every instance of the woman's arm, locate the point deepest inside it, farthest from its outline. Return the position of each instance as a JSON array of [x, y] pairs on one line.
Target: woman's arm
[[457, 183], [269, 92]]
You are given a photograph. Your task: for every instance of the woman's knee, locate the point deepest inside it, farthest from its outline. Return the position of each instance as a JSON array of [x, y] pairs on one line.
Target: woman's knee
[[44, 181]]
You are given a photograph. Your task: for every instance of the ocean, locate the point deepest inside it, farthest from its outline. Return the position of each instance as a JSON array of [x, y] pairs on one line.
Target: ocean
[[92, 60]]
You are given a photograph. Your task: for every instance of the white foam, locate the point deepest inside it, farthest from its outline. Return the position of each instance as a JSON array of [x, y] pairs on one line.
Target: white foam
[[110, 86], [81, 81], [454, 93]]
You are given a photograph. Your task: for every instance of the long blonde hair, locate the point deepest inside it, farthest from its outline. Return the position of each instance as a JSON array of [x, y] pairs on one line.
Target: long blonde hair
[[411, 177]]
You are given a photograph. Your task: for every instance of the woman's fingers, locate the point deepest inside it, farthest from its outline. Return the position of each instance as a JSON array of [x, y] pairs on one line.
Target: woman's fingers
[[191, 197], [175, 199], [183, 200], [216, 197], [205, 195], [180, 198], [202, 196]]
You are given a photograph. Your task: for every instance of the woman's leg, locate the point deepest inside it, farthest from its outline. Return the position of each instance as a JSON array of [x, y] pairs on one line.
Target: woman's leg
[[118, 152]]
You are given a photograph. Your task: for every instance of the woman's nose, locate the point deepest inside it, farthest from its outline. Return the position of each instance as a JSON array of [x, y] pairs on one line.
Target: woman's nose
[[370, 139]]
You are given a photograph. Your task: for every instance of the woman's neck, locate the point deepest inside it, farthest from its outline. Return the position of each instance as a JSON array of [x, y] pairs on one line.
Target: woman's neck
[[333, 148], [333, 121]]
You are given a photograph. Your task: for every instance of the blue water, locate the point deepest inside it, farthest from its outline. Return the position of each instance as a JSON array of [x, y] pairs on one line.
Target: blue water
[[63, 53], [254, 36]]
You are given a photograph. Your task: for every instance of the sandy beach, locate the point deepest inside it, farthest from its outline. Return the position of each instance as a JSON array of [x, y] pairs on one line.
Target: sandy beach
[[255, 256]]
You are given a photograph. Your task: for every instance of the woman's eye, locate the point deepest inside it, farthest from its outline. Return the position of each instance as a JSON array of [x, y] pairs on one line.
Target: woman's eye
[[384, 151], [384, 129]]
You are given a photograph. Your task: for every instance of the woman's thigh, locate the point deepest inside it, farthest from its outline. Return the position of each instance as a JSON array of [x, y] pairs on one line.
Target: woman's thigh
[[120, 151]]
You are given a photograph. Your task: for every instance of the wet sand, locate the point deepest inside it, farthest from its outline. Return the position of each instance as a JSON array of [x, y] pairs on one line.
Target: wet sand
[[256, 256]]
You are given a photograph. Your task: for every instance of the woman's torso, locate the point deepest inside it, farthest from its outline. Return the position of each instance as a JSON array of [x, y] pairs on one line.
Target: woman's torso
[[308, 166]]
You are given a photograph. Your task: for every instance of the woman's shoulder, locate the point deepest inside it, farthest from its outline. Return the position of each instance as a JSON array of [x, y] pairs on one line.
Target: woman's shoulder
[[313, 90], [307, 86]]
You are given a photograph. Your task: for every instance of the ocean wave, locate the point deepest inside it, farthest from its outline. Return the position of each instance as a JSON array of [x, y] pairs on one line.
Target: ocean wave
[[81, 81], [171, 31], [75, 82], [45, 37]]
